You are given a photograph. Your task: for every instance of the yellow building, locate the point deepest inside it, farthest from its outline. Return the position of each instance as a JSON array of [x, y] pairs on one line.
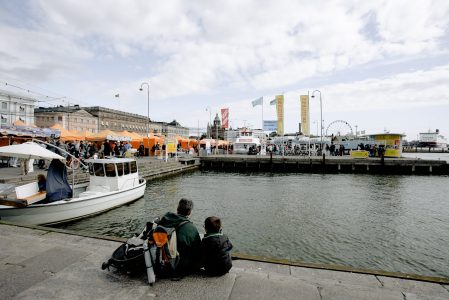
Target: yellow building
[[391, 141]]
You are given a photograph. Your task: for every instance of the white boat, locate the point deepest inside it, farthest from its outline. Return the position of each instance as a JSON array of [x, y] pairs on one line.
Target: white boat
[[246, 143], [432, 140], [112, 182]]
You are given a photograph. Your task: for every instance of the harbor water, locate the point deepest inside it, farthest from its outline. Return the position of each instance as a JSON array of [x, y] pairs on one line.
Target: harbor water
[[390, 223]]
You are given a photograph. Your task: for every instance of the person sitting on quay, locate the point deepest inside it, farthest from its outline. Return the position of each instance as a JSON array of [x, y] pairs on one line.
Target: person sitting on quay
[[215, 249], [187, 237]]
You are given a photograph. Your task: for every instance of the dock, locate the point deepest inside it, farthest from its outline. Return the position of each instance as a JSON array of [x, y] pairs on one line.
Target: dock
[[325, 164], [45, 263]]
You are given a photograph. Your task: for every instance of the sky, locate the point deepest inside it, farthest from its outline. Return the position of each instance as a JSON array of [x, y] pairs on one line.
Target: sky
[[379, 65]]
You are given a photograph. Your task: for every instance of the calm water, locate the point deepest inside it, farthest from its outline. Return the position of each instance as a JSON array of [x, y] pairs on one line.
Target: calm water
[[393, 223], [434, 156]]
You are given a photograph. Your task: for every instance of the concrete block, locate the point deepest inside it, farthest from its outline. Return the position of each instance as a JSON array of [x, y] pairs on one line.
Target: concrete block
[[256, 266], [14, 250], [410, 296], [414, 286], [257, 286], [20, 277], [317, 275], [194, 287], [344, 292]]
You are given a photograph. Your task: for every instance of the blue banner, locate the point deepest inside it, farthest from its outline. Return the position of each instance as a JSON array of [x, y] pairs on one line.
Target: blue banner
[[270, 125]]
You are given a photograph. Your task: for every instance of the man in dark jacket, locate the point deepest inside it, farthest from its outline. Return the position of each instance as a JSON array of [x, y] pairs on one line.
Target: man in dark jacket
[[188, 238]]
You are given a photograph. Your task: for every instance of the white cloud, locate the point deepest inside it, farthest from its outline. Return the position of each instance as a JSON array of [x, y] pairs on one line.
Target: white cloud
[[232, 49]]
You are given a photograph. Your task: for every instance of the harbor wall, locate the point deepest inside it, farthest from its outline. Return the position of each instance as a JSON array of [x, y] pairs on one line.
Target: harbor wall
[[400, 166]]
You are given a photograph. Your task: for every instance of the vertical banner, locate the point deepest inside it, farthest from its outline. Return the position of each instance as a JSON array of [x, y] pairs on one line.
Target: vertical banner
[[224, 117], [305, 123], [280, 113]]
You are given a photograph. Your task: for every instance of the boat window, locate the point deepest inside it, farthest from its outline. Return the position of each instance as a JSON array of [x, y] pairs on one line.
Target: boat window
[[133, 167], [98, 169], [126, 168], [110, 170], [120, 169]]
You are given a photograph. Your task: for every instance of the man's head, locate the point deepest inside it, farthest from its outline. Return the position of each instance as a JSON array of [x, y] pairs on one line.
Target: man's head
[[185, 207], [212, 225]]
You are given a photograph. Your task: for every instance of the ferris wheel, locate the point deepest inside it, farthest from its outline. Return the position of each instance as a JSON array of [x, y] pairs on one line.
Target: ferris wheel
[[339, 128]]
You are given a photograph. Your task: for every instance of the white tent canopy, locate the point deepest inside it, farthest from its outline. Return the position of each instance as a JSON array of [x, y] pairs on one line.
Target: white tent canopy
[[29, 150]]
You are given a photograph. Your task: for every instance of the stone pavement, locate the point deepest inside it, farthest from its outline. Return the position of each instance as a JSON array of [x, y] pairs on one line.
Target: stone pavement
[[40, 263]]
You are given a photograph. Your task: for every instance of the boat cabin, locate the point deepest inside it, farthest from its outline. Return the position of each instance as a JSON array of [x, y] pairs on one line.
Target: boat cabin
[[112, 174], [244, 142]]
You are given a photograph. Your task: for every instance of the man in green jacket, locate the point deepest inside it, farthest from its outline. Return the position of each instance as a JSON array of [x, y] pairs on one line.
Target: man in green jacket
[[188, 238]]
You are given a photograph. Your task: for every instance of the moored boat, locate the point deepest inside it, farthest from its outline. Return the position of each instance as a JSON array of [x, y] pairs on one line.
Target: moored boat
[[112, 182]]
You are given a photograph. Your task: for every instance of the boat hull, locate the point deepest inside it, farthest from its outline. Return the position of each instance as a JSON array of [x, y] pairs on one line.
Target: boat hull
[[73, 209]]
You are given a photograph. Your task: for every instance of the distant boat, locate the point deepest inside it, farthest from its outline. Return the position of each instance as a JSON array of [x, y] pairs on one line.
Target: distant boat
[[112, 182], [432, 140], [246, 143]]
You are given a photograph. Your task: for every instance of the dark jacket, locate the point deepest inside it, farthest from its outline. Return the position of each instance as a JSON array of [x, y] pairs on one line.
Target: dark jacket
[[216, 254], [188, 242]]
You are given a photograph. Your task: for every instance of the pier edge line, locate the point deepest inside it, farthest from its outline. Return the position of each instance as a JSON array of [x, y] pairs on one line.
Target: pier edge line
[[341, 268], [236, 256]]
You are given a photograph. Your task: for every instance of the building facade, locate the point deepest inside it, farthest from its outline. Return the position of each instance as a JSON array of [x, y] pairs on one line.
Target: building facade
[[70, 118], [216, 131], [97, 118], [15, 107]]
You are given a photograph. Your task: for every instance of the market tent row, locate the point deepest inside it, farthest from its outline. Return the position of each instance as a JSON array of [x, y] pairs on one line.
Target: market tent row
[[108, 135], [186, 143], [221, 144], [148, 143]]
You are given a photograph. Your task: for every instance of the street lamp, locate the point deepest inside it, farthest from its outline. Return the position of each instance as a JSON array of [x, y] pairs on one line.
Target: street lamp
[[209, 128], [321, 117], [148, 112]]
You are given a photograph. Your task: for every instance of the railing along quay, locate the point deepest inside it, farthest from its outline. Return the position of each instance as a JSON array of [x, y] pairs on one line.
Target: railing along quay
[[325, 164], [148, 168]]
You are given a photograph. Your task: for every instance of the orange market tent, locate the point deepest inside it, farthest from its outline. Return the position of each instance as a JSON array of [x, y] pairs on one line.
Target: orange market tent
[[183, 142], [193, 143], [204, 141], [134, 136], [108, 135], [148, 143], [67, 135], [223, 144]]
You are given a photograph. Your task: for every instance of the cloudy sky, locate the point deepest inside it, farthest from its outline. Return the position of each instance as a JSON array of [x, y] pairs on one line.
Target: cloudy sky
[[380, 65]]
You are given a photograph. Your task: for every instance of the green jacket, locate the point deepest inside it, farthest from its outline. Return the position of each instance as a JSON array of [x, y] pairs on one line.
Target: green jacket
[[188, 242]]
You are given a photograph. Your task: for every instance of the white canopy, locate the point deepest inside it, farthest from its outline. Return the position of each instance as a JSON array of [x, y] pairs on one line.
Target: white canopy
[[29, 150]]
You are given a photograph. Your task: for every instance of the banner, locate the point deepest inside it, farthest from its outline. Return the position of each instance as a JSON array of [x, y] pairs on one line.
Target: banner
[[224, 117], [305, 122], [270, 125], [258, 101], [280, 113]]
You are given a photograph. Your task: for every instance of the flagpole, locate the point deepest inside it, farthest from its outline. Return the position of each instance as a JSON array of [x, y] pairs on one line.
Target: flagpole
[[262, 113]]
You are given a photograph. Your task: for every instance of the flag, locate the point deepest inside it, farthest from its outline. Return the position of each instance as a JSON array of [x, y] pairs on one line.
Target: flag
[[117, 95], [224, 117], [258, 101], [280, 113], [273, 102]]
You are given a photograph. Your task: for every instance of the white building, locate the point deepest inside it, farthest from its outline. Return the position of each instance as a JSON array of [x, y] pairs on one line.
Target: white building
[[15, 107]]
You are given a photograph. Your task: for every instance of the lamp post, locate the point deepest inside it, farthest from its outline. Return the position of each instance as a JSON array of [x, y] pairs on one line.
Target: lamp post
[[321, 118], [148, 112], [209, 128]]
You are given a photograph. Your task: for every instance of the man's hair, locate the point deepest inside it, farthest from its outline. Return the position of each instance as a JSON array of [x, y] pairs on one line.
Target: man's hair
[[212, 224], [185, 207]]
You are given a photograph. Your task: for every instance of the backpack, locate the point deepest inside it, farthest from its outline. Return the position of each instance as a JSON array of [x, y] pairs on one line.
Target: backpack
[[162, 245]]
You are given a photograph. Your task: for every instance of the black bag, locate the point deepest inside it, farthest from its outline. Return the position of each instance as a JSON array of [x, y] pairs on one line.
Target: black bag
[[127, 258]]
